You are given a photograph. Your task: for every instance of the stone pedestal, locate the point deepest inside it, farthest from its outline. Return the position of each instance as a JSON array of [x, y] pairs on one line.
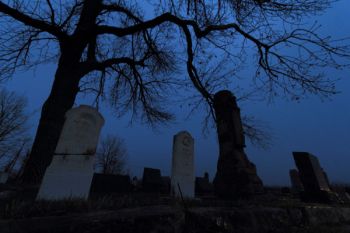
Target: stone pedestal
[[236, 176], [182, 170], [71, 170]]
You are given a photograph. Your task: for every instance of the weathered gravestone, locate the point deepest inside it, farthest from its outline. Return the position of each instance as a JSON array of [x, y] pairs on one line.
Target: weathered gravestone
[[151, 180], [236, 176], [182, 169], [297, 185], [71, 170], [316, 187]]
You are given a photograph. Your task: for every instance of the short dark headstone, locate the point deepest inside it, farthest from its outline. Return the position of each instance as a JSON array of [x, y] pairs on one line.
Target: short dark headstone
[[107, 184], [203, 186], [151, 180], [316, 188]]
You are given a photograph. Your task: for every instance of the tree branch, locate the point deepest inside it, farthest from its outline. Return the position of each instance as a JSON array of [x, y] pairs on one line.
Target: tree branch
[[31, 22]]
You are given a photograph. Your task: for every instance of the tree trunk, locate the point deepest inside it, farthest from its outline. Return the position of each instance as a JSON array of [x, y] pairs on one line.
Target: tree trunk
[[236, 176], [63, 93]]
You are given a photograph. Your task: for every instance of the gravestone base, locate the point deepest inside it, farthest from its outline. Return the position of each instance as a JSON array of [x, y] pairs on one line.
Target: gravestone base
[[68, 176], [322, 196], [183, 188], [228, 188], [297, 185], [236, 178]]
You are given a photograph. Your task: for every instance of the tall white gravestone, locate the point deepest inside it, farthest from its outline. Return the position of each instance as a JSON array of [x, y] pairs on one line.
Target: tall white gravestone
[[182, 171], [71, 170]]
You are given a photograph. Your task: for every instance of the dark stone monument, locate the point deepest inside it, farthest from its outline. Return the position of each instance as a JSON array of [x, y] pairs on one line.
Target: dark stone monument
[[108, 184], [315, 183], [297, 185], [236, 176], [203, 186], [151, 180]]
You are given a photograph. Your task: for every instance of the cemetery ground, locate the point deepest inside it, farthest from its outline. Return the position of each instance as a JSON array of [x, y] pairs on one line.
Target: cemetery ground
[[73, 198], [276, 210]]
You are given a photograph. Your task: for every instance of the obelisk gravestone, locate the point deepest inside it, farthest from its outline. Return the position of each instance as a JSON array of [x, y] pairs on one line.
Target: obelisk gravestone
[[182, 170]]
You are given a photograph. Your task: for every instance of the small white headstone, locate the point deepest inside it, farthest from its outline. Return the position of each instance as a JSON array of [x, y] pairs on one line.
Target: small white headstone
[[71, 170], [182, 171], [3, 177]]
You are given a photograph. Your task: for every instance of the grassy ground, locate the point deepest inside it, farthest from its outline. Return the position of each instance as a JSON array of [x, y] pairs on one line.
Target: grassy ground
[[274, 212]]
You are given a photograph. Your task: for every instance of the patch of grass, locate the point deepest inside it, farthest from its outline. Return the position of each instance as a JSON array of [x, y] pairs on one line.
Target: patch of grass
[[19, 208]]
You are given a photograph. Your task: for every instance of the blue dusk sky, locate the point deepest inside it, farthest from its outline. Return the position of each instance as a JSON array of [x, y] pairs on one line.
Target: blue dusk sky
[[321, 127]]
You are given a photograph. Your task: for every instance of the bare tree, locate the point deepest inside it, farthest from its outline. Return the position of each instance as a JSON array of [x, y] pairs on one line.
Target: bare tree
[[111, 155], [12, 127], [113, 45]]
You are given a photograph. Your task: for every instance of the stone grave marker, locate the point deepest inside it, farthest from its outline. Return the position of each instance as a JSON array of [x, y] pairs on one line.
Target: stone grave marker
[[297, 185], [71, 170], [312, 177], [203, 186], [182, 170], [151, 180], [236, 176]]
